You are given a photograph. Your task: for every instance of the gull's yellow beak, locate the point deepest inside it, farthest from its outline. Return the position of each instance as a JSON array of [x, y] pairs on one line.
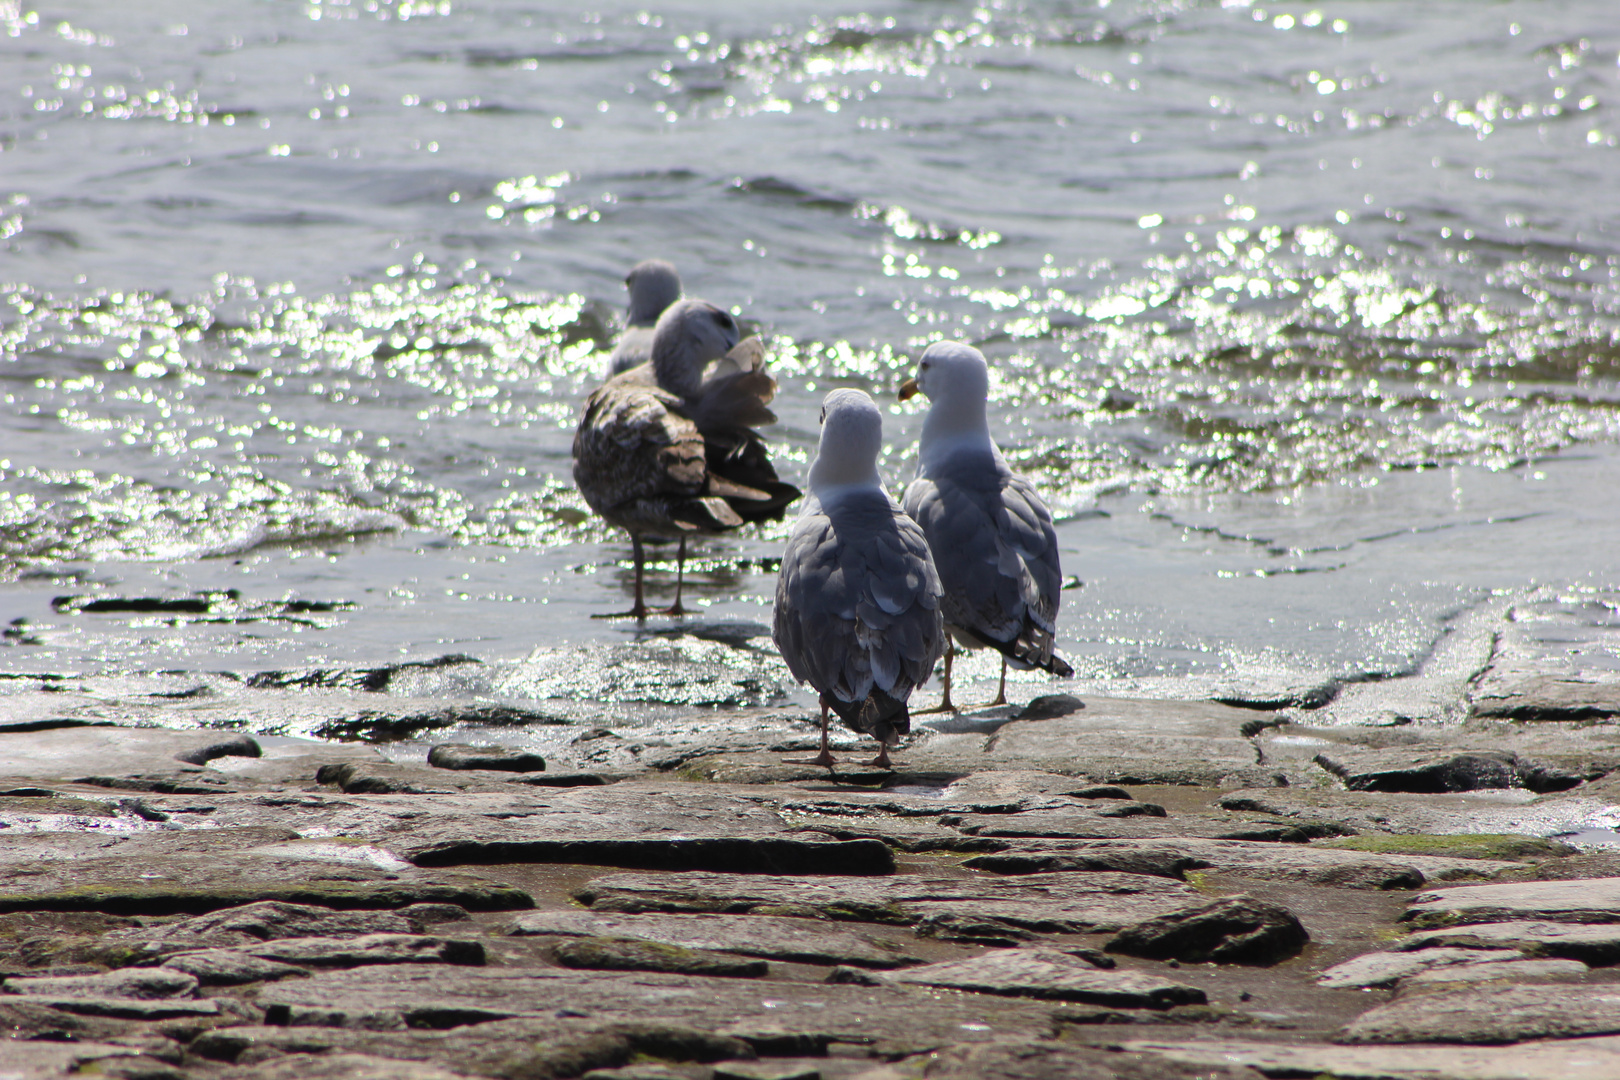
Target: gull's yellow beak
[[909, 389]]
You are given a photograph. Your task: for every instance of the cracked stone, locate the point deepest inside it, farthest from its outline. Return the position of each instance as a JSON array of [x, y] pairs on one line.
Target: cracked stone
[[1231, 930]]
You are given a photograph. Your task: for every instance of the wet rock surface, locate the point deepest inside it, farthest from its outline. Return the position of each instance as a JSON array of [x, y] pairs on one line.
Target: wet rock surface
[[1028, 893], [1231, 930]]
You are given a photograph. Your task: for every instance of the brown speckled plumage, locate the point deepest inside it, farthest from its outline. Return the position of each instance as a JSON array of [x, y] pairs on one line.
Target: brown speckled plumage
[[664, 451]]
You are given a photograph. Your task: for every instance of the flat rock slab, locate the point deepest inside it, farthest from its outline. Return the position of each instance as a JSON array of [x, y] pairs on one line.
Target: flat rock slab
[[148, 984], [268, 920], [229, 967], [1372, 812], [1572, 1059], [774, 1016], [1052, 975], [1388, 968], [114, 753], [123, 1008], [1576, 900], [1594, 944], [1517, 971], [598, 840], [1048, 1060], [1048, 903], [1125, 821], [1490, 1015], [805, 941], [1125, 741], [153, 843], [186, 884], [1422, 770], [635, 954], [30, 1060], [345, 1067], [1302, 863], [553, 1047], [1013, 791], [1549, 698], [367, 949], [642, 825], [379, 778], [910, 834]]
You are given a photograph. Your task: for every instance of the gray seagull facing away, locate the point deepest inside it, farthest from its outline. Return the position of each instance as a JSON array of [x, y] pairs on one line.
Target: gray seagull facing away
[[667, 449], [653, 285], [857, 599], [990, 533]]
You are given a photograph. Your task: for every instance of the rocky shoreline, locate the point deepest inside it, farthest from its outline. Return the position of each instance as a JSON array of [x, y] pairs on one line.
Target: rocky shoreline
[[1067, 888]]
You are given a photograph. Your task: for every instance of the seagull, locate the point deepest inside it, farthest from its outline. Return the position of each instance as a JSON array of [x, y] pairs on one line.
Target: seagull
[[857, 598], [653, 285], [990, 533], [667, 449]]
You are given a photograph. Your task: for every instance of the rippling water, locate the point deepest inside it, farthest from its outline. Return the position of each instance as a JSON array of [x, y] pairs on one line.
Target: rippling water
[[1305, 319]]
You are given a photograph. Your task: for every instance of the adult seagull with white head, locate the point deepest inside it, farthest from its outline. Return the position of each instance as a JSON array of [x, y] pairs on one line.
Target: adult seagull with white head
[[991, 535], [857, 598]]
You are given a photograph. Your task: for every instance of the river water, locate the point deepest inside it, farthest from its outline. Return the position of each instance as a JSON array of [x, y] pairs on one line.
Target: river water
[[1304, 318]]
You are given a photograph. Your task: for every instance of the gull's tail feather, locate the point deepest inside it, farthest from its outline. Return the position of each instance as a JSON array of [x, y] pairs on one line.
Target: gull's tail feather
[[879, 714]]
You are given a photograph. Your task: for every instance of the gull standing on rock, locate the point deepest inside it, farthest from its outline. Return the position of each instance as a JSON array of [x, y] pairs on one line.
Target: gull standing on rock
[[653, 285], [990, 533], [857, 598], [668, 449]]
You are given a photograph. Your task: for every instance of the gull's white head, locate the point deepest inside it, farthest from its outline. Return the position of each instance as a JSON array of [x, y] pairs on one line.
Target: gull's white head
[[851, 437], [950, 372], [956, 381], [653, 285], [688, 337]]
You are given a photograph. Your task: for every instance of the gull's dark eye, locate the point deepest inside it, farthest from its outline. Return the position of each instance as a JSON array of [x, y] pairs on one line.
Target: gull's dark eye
[[824, 415]]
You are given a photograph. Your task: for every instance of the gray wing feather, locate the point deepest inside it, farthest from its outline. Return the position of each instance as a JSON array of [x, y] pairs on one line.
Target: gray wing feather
[[857, 602], [994, 546]]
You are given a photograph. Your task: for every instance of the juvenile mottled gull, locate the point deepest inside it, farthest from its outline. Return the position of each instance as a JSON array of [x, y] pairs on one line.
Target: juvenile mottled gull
[[857, 599], [653, 285], [665, 450], [990, 533]]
